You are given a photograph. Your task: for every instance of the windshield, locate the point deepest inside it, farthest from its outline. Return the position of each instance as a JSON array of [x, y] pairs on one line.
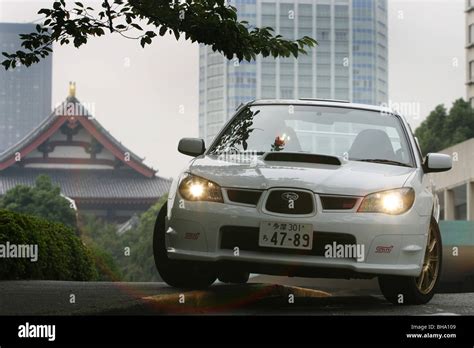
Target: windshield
[[354, 134]]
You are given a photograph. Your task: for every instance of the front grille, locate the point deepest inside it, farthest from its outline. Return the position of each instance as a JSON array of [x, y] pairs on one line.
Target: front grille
[[338, 203], [246, 238], [278, 201], [244, 196]]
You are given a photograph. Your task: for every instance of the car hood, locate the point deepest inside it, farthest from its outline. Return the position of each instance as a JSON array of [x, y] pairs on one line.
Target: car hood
[[350, 178]]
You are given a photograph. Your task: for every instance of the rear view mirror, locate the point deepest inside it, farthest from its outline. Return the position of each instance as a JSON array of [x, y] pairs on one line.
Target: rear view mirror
[[191, 146], [437, 162]]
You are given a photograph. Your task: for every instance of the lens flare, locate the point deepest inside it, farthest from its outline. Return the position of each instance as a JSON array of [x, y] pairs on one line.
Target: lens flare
[[392, 202], [196, 190]]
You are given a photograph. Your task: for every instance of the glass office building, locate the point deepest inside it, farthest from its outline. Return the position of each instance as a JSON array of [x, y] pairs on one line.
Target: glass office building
[[350, 62], [25, 93]]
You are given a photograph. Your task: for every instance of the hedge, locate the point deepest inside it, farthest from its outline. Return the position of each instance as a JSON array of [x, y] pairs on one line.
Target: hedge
[[107, 270], [61, 254]]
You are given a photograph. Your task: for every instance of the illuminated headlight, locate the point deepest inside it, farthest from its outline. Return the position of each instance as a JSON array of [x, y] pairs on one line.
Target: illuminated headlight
[[195, 188], [393, 202]]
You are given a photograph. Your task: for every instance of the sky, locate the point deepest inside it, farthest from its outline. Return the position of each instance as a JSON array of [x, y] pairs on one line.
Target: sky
[[148, 98]]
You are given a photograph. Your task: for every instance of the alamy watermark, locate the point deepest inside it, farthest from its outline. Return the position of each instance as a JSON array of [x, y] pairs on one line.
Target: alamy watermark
[[345, 251], [28, 330], [19, 251], [242, 157], [75, 109], [411, 110]]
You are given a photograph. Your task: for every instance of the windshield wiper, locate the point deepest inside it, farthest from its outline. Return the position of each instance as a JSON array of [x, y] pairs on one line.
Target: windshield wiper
[[384, 161]]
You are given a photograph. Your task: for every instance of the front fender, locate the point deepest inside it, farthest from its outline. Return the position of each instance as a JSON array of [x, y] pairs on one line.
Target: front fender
[[425, 195]]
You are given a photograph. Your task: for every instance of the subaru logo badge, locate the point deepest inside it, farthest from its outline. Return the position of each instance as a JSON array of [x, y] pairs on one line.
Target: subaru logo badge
[[290, 196]]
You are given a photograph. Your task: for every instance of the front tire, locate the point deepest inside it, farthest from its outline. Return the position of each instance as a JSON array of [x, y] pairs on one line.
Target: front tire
[[178, 273], [234, 277], [417, 290]]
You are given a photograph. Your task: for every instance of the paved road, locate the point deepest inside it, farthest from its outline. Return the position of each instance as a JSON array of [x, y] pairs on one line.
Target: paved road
[[266, 295]]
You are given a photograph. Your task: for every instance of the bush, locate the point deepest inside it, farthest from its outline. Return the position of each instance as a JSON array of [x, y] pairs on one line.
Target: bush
[[61, 254], [139, 266], [43, 200], [102, 239], [105, 265]]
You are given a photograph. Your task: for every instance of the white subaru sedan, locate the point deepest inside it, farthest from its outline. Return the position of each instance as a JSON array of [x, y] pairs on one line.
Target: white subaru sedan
[[308, 188]]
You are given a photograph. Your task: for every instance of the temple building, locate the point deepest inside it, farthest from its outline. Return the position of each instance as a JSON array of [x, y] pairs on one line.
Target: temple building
[[101, 176]]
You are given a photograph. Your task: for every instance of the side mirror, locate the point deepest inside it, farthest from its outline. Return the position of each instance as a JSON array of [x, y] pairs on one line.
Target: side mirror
[[437, 162], [191, 146]]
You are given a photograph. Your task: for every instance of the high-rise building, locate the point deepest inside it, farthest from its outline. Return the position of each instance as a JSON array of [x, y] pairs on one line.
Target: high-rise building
[[470, 50], [350, 62], [25, 93]]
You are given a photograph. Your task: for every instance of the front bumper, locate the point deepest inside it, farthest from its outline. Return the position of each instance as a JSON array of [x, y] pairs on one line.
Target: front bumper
[[194, 232]]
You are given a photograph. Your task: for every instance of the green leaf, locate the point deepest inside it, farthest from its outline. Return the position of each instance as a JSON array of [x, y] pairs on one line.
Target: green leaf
[[6, 64], [176, 34], [136, 26]]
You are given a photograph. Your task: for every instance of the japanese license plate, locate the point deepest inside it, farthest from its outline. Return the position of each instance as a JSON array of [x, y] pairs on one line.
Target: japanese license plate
[[286, 235]]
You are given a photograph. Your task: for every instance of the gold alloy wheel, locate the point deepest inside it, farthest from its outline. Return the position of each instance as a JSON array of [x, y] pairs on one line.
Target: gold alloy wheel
[[429, 274]]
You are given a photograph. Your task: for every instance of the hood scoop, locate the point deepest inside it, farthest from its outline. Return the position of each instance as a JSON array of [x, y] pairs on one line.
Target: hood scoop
[[298, 157]]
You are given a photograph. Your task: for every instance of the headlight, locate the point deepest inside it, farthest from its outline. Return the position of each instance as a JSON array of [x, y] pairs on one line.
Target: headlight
[[195, 188], [393, 202]]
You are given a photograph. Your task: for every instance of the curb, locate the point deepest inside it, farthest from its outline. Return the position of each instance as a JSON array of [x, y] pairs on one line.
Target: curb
[[220, 298]]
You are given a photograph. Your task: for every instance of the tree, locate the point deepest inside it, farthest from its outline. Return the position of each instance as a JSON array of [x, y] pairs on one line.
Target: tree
[[141, 266], [442, 129], [102, 238], [43, 200], [209, 22], [430, 130]]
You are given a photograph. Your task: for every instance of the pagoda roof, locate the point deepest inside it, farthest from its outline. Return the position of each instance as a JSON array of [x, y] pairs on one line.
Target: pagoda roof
[[52, 123], [91, 185]]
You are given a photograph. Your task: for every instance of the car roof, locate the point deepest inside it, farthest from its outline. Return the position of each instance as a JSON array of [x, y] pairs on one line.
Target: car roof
[[324, 102]]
